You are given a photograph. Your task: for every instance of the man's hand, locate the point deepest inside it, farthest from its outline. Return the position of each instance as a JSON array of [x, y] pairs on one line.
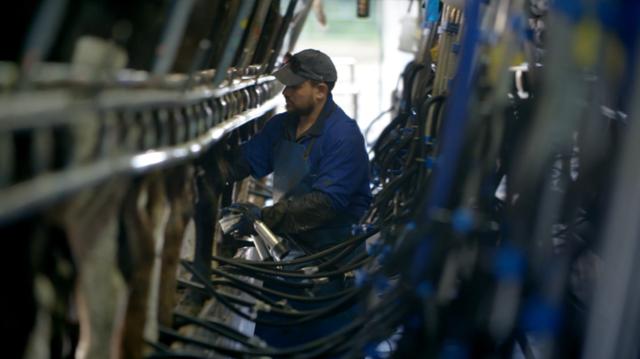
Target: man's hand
[[239, 217], [249, 210]]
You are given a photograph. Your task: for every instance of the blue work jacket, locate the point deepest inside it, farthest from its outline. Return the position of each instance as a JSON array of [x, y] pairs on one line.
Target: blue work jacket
[[338, 160]]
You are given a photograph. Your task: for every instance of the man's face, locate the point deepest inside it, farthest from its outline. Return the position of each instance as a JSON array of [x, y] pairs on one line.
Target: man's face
[[302, 99]]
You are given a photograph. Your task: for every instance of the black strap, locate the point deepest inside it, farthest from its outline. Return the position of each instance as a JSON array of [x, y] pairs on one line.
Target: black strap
[[307, 150]]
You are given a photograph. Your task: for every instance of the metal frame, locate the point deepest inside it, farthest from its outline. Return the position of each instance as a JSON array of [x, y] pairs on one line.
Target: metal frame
[[22, 197], [56, 106]]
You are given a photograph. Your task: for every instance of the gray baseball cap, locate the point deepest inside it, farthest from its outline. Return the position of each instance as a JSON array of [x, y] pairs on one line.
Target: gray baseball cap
[[307, 64]]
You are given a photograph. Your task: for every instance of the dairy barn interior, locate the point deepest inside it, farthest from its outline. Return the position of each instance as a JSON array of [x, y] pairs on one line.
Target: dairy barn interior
[[320, 179]]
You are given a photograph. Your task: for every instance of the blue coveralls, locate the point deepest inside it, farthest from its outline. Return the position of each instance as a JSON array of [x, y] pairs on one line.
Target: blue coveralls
[[330, 157]]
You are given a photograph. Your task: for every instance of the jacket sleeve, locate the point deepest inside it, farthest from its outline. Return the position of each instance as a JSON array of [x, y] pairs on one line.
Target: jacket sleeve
[[343, 168], [257, 153], [235, 168]]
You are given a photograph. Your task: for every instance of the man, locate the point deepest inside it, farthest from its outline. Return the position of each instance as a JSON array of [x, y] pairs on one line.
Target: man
[[317, 156]]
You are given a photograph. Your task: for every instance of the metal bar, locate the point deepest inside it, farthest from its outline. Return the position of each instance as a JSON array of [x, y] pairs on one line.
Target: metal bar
[[300, 18], [282, 32], [21, 198], [42, 35], [261, 248], [255, 30], [54, 107], [168, 47], [276, 245], [233, 42]]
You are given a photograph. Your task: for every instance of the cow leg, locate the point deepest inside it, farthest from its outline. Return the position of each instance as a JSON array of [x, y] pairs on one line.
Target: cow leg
[[179, 189], [90, 221]]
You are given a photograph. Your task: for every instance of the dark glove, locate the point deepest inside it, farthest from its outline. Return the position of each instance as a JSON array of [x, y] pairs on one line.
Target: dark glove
[[299, 214], [249, 210], [239, 217]]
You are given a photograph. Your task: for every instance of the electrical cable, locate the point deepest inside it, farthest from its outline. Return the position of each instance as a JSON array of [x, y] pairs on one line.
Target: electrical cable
[[235, 285], [331, 338], [175, 355], [361, 260], [201, 343], [283, 312], [304, 284], [252, 288], [223, 300], [355, 240], [335, 259], [158, 346], [372, 123], [220, 329]]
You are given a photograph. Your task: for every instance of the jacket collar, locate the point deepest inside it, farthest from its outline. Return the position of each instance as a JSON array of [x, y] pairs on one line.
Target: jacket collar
[[317, 128]]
